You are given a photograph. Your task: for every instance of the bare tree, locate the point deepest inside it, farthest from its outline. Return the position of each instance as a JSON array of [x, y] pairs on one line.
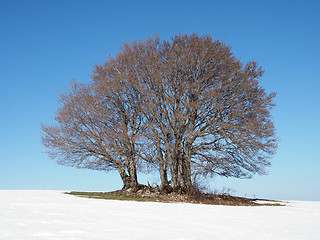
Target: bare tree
[[95, 132], [186, 106], [206, 112], [126, 69], [220, 115]]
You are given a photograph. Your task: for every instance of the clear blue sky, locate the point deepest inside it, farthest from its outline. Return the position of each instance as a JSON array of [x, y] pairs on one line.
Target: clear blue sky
[[44, 44]]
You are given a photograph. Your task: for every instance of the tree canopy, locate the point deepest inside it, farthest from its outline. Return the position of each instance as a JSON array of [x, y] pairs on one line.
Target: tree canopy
[[187, 107]]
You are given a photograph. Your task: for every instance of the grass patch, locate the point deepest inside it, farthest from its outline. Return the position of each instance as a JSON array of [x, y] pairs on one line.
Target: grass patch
[[112, 196], [150, 196]]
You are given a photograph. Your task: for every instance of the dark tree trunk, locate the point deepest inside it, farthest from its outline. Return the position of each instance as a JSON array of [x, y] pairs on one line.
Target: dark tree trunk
[[187, 168], [128, 175], [181, 173], [163, 170], [132, 170], [124, 177], [163, 177]]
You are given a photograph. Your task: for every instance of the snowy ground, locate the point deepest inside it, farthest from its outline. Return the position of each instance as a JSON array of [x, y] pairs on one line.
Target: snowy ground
[[51, 215]]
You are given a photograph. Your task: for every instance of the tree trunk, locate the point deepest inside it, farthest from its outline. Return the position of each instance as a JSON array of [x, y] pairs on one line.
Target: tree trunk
[[132, 170], [124, 177], [163, 170], [187, 167], [163, 176], [181, 173]]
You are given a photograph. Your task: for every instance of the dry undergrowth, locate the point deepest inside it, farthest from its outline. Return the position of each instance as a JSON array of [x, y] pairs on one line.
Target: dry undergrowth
[[153, 194]]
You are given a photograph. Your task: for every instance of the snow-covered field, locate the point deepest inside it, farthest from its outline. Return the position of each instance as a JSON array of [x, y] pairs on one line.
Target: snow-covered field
[[50, 215]]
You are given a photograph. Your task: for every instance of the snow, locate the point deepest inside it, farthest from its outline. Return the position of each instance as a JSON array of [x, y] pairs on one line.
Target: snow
[[52, 215], [283, 203]]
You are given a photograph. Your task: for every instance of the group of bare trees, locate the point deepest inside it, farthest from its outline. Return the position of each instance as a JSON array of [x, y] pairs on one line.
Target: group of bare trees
[[186, 107]]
